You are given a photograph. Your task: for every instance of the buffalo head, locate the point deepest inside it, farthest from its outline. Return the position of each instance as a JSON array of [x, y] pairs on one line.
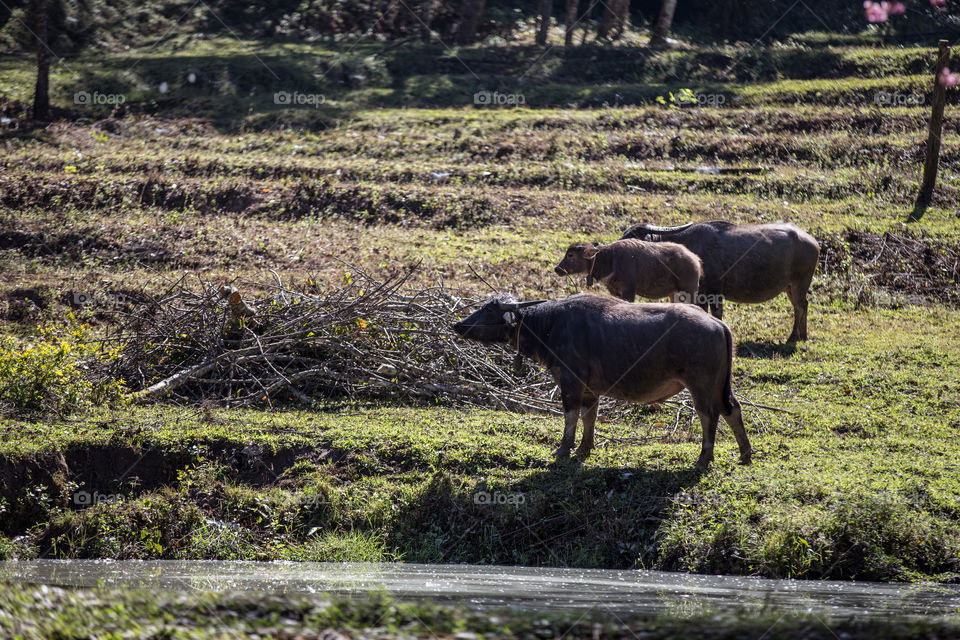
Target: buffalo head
[[638, 232], [653, 233], [578, 258], [494, 321]]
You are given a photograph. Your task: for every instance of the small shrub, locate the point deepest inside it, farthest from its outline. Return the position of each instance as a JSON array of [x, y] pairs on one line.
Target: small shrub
[[43, 375], [49, 374]]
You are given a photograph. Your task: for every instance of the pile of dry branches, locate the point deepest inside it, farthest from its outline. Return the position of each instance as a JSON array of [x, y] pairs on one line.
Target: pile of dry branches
[[367, 340]]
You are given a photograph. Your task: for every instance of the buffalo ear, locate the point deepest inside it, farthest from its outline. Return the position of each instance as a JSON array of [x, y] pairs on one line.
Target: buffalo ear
[[510, 319], [590, 252]]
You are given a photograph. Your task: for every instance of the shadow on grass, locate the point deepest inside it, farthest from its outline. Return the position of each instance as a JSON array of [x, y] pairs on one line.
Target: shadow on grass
[[236, 88], [919, 208], [565, 515], [765, 350]]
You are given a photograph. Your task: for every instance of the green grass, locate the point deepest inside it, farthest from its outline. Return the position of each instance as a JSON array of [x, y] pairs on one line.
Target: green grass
[[859, 480], [41, 612], [856, 479]]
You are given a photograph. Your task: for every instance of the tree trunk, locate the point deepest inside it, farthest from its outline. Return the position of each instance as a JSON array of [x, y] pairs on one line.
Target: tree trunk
[[41, 93], [426, 16], [933, 136], [606, 20], [478, 9], [471, 12], [570, 21], [622, 11], [585, 29], [389, 17], [544, 8], [662, 27]]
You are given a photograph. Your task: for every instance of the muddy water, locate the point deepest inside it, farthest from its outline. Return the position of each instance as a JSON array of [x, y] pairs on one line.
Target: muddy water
[[535, 589]]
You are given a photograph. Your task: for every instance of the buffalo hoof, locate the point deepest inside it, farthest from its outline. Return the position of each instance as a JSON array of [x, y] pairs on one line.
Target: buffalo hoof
[[746, 458], [582, 453], [561, 452], [704, 462]]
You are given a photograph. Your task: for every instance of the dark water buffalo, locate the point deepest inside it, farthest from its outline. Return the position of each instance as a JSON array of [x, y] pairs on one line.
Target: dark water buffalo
[[746, 262], [598, 346]]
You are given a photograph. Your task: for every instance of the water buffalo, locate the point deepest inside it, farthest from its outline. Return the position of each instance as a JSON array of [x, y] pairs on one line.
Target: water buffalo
[[598, 346], [746, 262], [632, 267]]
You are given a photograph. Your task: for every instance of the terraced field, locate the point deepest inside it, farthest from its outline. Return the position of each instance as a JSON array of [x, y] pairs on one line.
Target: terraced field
[[503, 191], [857, 477]]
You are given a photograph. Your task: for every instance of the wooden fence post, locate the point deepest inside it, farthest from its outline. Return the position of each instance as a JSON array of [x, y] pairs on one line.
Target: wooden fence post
[[933, 136]]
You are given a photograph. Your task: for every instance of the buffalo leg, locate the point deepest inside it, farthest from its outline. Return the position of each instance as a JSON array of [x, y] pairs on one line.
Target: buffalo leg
[[735, 420], [716, 308], [797, 292], [628, 292], [708, 420], [588, 412], [709, 414], [572, 399]]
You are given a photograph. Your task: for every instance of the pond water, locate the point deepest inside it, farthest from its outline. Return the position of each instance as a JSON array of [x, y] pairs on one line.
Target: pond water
[[526, 588]]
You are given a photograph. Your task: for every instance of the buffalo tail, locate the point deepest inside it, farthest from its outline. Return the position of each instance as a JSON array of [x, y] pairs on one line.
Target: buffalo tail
[[728, 383]]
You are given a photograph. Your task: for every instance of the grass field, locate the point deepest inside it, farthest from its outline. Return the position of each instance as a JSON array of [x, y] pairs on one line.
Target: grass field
[[856, 477], [51, 612], [44, 612]]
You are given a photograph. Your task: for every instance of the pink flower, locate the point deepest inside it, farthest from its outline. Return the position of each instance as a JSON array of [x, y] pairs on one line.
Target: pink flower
[[948, 79], [897, 8], [877, 11], [937, 3]]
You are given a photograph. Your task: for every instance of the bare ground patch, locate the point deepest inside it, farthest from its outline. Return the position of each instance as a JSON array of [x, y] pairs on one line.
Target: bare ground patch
[[908, 263]]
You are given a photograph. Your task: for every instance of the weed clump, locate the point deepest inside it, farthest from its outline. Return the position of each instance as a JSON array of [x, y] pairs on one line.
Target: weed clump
[[49, 374]]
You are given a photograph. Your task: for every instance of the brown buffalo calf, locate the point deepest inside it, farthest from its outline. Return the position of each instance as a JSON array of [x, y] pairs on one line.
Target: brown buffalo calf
[[630, 268]]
